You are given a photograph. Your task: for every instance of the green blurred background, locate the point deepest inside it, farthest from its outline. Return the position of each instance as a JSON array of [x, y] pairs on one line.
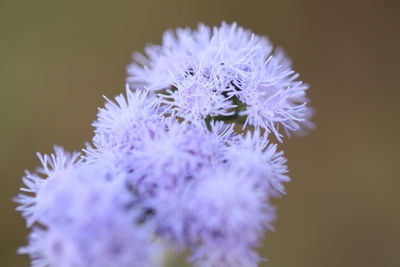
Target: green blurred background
[[342, 209]]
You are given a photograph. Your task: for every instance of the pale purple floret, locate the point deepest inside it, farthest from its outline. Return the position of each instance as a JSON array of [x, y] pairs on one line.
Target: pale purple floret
[[158, 152], [120, 123], [87, 219], [220, 217], [229, 214], [254, 156], [224, 207], [33, 201], [224, 71]]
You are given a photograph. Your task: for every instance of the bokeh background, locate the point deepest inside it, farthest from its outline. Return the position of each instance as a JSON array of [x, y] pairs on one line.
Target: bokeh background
[[57, 58]]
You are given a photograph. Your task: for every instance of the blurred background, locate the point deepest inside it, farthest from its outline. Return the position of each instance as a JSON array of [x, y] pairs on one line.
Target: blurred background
[[57, 58]]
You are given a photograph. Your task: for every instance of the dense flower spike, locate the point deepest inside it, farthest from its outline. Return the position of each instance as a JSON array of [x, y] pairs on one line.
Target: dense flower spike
[[182, 160], [223, 72]]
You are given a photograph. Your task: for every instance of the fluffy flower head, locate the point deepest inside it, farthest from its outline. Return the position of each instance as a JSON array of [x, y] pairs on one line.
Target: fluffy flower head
[[223, 72], [86, 219]]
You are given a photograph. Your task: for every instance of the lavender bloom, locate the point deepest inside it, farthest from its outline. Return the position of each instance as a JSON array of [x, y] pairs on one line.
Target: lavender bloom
[[154, 151], [120, 127], [253, 156], [120, 122], [86, 219], [228, 215], [106, 239], [34, 202], [225, 71], [223, 211], [167, 164], [167, 161]]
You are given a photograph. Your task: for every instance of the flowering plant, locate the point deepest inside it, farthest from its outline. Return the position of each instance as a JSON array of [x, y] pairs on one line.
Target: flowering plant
[[183, 160]]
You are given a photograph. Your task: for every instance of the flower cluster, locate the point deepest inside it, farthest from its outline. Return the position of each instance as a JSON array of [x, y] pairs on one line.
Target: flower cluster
[[224, 71], [167, 167]]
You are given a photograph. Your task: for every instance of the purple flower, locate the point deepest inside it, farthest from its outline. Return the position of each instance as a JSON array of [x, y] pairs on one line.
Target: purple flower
[[227, 216], [85, 219], [224, 71], [168, 166], [254, 156], [33, 202]]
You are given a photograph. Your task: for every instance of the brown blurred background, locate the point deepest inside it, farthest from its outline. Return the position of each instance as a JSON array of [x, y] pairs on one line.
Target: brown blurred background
[[342, 209]]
